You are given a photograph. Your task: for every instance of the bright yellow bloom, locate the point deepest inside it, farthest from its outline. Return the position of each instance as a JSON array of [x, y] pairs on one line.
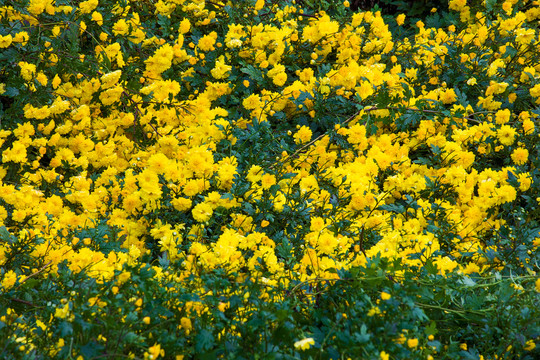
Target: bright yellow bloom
[[185, 323], [506, 135], [520, 156], [202, 212], [10, 278], [5, 41], [412, 343], [121, 27], [259, 4], [154, 352], [303, 135], [17, 153], [62, 312], [304, 344], [221, 70], [97, 18], [86, 7]]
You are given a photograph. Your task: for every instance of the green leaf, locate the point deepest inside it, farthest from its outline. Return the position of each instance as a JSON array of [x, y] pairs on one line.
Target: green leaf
[[11, 92], [204, 340], [92, 349], [467, 281], [253, 73], [431, 329], [490, 4]]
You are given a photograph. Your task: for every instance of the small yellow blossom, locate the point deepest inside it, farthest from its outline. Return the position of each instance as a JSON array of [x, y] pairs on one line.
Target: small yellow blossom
[[304, 344]]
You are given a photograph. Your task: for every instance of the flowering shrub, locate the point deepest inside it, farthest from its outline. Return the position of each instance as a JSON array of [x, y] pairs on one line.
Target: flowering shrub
[[257, 179]]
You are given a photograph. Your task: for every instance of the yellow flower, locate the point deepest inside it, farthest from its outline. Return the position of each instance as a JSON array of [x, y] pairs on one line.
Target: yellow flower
[[303, 135], [17, 153], [185, 323], [5, 41], [365, 89], [154, 352], [268, 180], [207, 42], [21, 37], [221, 70], [42, 78], [280, 79], [259, 4], [449, 96], [506, 135], [185, 25], [304, 344], [471, 81], [202, 212], [63, 312], [27, 70], [457, 5], [374, 311], [108, 80], [520, 156], [97, 18], [121, 27], [384, 356], [9, 279], [412, 343], [400, 19], [535, 92], [502, 116], [385, 296], [252, 102], [86, 7], [530, 345], [181, 204]]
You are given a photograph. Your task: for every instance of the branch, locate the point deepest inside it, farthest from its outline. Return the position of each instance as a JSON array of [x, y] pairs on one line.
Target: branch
[[37, 272], [312, 141], [368, 109]]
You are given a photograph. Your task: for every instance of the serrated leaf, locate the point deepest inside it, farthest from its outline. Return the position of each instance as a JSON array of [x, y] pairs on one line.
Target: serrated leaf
[[204, 340], [11, 92], [467, 281], [253, 73], [91, 350]]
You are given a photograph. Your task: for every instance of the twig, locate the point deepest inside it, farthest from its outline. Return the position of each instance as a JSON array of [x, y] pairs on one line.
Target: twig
[[308, 15], [369, 109], [23, 302], [312, 141], [37, 272], [428, 111], [362, 242], [138, 112]]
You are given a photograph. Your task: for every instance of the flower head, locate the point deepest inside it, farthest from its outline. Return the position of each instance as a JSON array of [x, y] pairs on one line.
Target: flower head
[[304, 344]]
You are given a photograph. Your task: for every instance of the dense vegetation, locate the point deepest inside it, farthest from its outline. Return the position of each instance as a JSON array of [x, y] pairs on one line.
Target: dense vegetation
[[269, 179]]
